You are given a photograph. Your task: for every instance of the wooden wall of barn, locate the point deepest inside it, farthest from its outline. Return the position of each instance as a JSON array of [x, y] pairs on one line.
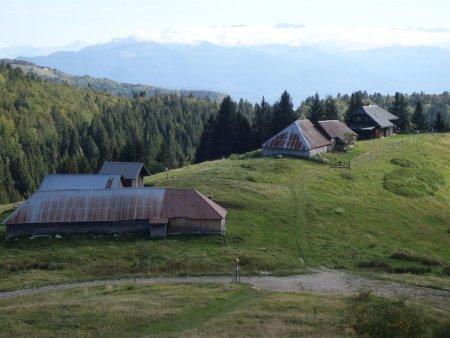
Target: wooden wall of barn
[[51, 229], [190, 226], [296, 153]]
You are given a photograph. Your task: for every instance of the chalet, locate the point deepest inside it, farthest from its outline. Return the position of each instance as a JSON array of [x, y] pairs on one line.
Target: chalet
[[154, 211], [337, 133], [372, 122], [301, 138], [132, 173]]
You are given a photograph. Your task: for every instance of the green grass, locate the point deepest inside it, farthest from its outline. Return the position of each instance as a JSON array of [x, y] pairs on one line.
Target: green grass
[[206, 310], [284, 215]]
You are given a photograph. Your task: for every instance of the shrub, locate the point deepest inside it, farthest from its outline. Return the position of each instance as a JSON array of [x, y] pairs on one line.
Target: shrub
[[403, 256], [375, 264], [416, 270], [371, 316], [446, 270], [404, 163]]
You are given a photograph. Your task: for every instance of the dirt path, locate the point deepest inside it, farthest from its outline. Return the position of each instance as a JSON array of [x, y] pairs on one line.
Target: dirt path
[[320, 281]]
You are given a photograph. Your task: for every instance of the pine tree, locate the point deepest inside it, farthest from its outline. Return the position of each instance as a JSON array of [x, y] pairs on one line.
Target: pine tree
[[261, 126], [439, 123], [354, 103], [399, 108], [283, 113], [331, 111], [316, 111], [419, 118]]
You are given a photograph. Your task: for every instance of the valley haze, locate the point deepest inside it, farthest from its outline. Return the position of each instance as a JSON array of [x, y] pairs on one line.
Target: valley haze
[[251, 72]]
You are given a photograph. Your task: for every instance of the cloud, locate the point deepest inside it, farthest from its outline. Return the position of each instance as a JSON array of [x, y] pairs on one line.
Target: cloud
[[340, 37], [282, 25]]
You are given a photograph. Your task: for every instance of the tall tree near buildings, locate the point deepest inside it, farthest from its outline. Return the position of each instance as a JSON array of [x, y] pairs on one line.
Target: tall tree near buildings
[[283, 113], [226, 129], [261, 126], [331, 111], [439, 123], [316, 111], [399, 108], [354, 103], [204, 148], [419, 118]]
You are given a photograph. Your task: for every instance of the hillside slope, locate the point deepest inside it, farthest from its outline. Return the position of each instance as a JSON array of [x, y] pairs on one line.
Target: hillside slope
[[284, 215]]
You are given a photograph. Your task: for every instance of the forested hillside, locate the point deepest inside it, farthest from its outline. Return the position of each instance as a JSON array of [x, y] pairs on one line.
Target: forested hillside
[[47, 127]]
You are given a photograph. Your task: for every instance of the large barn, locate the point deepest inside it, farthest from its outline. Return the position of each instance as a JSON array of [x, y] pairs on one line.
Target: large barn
[[301, 138], [372, 122], [155, 211]]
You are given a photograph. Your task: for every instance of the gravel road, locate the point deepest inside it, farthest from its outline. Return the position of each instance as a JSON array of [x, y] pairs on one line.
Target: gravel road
[[320, 281]]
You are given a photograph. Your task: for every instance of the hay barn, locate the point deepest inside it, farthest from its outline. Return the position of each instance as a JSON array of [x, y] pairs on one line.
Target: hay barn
[[301, 138], [337, 133], [154, 211]]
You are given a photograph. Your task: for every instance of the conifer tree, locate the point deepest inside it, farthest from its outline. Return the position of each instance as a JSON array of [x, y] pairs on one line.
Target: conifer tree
[[283, 113], [399, 108], [439, 123], [419, 119], [261, 126], [316, 111], [331, 111], [354, 103]]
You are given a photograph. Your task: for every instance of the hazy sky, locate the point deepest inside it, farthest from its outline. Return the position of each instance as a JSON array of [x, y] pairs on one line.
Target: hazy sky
[[346, 23]]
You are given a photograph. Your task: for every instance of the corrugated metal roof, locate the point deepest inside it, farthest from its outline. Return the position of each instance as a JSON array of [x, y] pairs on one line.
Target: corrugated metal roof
[[129, 170], [381, 116], [106, 205], [190, 203], [299, 135], [336, 129], [79, 181]]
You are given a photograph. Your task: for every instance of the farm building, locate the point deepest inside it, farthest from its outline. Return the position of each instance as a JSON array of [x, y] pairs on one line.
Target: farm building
[[80, 181], [132, 173], [301, 138], [372, 122], [337, 133], [155, 211]]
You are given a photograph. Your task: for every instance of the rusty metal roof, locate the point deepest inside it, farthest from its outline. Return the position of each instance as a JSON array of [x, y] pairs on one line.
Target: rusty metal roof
[[79, 181], [190, 203], [109, 205], [336, 129], [129, 170], [299, 135]]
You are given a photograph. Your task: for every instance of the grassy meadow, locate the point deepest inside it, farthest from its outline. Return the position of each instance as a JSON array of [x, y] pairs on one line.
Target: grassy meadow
[[387, 215], [182, 310]]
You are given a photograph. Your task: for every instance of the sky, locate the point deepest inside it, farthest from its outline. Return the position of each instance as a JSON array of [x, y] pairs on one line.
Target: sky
[[343, 24]]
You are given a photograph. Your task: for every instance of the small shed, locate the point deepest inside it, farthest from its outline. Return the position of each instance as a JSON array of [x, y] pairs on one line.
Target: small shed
[[337, 133], [372, 122], [133, 173], [299, 139], [80, 181], [154, 211]]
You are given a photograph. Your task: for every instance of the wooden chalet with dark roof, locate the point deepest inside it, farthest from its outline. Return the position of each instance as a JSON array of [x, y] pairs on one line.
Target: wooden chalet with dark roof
[[372, 122]]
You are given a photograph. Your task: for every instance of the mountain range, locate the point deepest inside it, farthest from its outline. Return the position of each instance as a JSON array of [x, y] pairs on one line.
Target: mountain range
[[251, 72]]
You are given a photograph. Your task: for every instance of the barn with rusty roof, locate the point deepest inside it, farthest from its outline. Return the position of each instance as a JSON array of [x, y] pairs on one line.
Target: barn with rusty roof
[[155, 211], [301, 138]]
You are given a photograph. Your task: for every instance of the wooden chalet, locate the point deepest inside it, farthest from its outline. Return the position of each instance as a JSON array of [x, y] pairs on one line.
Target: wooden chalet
[[372, 122], [132, 173]]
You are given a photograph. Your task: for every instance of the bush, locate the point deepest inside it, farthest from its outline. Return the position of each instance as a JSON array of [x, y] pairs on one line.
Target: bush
[[416, 270], [446, 270], [403, 256], [403, 163], [371, 316], [375, 264]]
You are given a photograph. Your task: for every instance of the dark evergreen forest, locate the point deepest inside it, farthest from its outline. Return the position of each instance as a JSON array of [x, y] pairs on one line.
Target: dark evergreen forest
[[47, 127]]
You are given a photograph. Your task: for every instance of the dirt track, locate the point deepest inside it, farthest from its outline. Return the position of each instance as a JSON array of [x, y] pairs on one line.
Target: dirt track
[[320, 281]]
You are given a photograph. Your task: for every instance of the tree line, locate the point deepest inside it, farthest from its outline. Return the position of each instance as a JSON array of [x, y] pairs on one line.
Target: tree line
[[47, 127]]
